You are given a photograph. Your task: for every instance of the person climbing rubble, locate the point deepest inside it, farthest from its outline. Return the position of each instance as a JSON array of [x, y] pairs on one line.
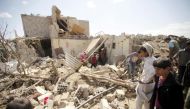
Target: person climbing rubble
[[146, 83], [83, 56], [131, 62], [172, 45], [94, 60]]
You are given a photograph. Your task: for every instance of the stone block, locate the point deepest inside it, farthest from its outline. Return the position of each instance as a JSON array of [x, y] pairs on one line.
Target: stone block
[[65, 96], [57, 99], [84, 90], [104, 104], [110, 97], [69, 106], [62, 104], [120, 94], [34, 102], [41, 90]]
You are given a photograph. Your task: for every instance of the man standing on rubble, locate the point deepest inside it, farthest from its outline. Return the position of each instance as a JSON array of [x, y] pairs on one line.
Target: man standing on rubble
[[94, 60], [103, 55], [146, 83], [167, 92], [186, 84], [182, 57], [172, 45]]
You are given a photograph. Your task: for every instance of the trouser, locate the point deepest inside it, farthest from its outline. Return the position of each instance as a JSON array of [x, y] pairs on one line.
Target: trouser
[[187, 100], [131, 69], [140, 102], [181, 70], [93, 65], [144, 93]]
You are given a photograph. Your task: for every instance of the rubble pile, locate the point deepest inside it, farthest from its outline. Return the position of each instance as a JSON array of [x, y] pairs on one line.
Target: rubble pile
[[63, 83], [48, 82], [157, 42]]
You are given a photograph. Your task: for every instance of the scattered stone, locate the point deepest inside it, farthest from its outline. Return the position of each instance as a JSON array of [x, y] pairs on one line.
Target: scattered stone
[[104, 104], [114, 104], [34, 102], [110, 97], [41, 90], [65, 96], [120, 94]]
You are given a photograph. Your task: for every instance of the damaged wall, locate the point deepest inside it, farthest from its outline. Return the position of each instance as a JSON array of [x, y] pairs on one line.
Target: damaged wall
[[85, 25], [36, 25], [26, 54], [77, 26], [74, 46], [117, 47]]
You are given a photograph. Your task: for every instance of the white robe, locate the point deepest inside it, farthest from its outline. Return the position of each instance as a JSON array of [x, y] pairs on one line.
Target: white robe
[[145, 91]]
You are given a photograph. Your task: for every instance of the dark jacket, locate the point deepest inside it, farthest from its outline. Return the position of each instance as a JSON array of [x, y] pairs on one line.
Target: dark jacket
[[183, 56], [186, 76], [170, 94]]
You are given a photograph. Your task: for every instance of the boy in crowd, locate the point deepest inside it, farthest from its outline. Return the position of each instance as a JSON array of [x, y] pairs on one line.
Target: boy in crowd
[[167, 92]]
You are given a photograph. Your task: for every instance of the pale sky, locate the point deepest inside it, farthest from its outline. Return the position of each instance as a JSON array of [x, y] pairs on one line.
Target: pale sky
[[110, 16]]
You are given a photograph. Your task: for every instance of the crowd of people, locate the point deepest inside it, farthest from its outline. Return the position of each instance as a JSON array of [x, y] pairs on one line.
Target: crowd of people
[[160, 86]]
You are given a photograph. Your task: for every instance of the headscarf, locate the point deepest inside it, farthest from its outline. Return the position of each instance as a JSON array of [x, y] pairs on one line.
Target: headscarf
[[149, 48]]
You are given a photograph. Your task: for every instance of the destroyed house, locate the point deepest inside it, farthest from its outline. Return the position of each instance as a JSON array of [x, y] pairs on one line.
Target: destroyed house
[[59, 34]]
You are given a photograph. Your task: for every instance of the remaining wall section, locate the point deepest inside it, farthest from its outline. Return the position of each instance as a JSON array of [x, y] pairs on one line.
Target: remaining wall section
[[36, 25], [117, 47], [76, 46], [73, 46]]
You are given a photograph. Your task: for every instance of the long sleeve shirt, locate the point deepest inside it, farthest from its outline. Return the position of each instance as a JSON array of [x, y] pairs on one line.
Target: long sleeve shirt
[[148, 70]]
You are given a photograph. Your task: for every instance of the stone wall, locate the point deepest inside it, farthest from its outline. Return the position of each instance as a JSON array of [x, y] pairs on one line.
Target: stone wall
[[36, 25]]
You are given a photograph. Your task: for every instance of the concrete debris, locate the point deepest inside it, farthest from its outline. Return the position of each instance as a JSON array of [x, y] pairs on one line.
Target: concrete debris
[[41, 90], [120, 94], [110, 97], [104, 104], [42, 83]]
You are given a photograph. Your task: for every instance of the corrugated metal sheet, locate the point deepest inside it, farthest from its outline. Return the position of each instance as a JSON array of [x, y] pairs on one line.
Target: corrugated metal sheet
[[72, 61]]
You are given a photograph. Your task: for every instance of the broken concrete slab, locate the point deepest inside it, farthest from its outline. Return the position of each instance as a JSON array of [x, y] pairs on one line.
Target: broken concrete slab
[[110, 97], [120, 94], [104, 104]]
